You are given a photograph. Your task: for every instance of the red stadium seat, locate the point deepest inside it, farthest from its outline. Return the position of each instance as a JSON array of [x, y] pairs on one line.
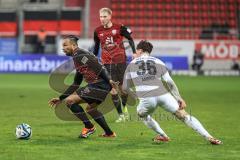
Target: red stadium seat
[[8, 24], [74, 3], [177, 19]]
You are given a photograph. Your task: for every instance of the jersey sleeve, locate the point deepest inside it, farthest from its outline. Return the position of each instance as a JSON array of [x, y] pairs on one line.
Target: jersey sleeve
[[97, 67], [104, 74], [126, 32], [166, 77], [73, 87], [127, 80], [172, 86], [96, 43], [93, 63], [162, 69]]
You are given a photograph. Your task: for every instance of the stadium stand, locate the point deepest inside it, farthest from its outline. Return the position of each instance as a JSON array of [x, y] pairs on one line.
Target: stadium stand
[[8, 23], [179, 19], [70, 22], [74, 3], [33, 20], [24, 18]]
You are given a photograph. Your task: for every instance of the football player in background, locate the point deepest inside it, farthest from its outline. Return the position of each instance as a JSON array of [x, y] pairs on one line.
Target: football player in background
[[109, 36]]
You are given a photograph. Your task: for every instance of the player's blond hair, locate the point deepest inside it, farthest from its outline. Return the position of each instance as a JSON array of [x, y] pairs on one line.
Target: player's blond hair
[[108, 10]]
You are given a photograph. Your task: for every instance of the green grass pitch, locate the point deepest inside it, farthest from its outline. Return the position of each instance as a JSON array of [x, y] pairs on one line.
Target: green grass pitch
[[215, 101]]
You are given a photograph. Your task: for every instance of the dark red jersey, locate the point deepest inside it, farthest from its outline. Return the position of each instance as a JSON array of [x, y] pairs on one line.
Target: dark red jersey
[[87, 64], [87, 67], [111, 41]]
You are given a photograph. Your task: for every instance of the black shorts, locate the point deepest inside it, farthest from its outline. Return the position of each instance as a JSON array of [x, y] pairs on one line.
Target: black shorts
[[94, 92], [116, 71]]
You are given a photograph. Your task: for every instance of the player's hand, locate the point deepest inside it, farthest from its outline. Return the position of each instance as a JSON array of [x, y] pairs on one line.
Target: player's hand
[[114, 84], [182, 104], [54, 102]]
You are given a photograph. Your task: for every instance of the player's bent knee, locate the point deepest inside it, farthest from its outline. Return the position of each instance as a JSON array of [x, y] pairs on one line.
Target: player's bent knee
[[141, 113], [72, 99], [69, 102], [181, 114], [88, 108], [91, 107]]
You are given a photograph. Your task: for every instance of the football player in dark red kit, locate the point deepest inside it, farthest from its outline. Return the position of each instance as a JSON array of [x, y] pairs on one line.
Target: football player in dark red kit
[[94, 93], [110, 37]]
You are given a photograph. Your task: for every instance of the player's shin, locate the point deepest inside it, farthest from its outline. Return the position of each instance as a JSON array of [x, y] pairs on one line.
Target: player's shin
[[79, 112], [99, 118], [117, 103], [196, 125], [152, 124], [124, 102]]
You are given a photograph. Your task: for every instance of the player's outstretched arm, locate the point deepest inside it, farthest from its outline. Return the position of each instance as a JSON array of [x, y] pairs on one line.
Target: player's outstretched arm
[[128, 85], [73, 87], [126, 32], [174, 90], [96, 44]]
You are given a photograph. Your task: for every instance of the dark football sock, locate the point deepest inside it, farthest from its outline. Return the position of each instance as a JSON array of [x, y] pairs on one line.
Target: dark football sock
[[124, 100], [117, 103], [99, 118], [79, 112]]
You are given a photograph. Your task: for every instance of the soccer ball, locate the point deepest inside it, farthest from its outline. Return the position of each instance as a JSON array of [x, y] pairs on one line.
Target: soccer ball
[[23, 131]]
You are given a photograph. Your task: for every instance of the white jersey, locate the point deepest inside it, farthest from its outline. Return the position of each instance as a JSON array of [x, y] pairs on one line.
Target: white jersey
[[144, 75]]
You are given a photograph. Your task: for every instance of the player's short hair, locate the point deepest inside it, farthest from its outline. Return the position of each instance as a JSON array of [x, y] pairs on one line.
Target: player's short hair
[[145, 46], [108, 10], [73, 39]]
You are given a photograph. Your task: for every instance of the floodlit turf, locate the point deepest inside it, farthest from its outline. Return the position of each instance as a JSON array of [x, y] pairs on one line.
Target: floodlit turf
[[215, 101]]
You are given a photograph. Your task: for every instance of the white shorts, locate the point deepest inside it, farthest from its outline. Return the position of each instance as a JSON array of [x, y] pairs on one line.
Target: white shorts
[[147, 106]]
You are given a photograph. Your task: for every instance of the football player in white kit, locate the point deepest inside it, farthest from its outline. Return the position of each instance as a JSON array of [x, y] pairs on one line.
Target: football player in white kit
[[148, 79]]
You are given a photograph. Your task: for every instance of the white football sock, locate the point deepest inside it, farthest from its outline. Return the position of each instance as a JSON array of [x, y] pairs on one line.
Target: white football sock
[[196, 125], [152, 124]]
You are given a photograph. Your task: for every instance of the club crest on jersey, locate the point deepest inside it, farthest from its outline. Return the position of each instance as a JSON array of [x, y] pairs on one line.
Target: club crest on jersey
[[84, 60], [114, 31], [86, 90], [101, 34]]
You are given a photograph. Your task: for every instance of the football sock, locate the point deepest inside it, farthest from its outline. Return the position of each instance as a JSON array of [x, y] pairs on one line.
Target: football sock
[[117, 103], [79, 112], [196, 125], [124, 100], [152, 124], [99, 118]]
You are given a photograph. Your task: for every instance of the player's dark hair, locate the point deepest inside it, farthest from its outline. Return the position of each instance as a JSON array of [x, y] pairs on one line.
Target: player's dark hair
[[145, 46], [72, 38]]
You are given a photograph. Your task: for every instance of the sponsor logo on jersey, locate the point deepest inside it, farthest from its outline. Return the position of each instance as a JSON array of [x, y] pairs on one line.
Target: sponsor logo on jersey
[[86, 90], [84, 60], [148, 77]]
